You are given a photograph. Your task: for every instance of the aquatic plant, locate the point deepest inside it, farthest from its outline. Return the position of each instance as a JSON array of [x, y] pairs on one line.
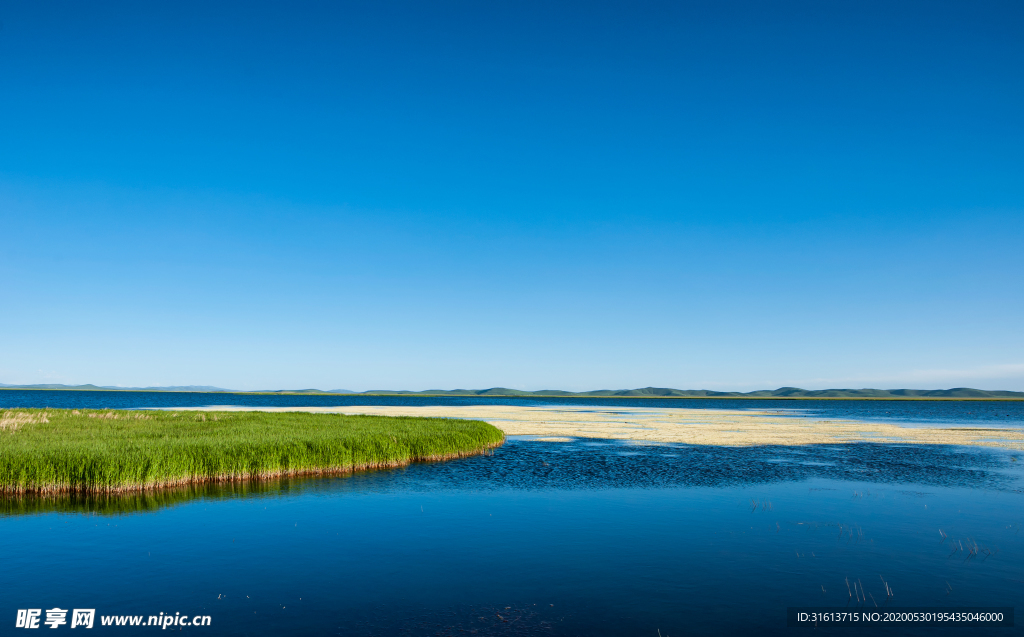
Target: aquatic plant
[[54, 451]]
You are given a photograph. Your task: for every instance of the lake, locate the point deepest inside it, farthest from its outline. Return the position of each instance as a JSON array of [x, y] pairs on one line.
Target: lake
[[586, 537]]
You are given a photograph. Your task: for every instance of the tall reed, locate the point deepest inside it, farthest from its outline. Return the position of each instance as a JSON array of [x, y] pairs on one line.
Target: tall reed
[[109, 451]]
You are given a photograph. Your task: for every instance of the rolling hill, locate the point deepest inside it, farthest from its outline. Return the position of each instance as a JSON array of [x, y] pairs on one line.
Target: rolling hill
[[645, 392]]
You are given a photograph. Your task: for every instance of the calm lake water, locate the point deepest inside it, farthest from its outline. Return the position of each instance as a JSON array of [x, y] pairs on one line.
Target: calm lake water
[[541, 538], [910, 413]]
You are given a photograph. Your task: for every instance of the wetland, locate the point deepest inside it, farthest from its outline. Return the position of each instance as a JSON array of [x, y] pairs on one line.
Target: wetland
[[550, 534]]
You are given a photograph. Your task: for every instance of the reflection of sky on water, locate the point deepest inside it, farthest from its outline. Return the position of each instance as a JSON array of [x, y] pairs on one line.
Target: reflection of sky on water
[[544, 537], [600, 538], [930, 413], [526, 463]]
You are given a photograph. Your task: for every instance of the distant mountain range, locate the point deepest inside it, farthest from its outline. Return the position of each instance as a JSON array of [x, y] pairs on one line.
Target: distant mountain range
[[646, 392], [200, 388]]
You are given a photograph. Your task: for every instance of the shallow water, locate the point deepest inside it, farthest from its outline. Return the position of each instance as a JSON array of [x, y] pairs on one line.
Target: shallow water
[[577, 538]]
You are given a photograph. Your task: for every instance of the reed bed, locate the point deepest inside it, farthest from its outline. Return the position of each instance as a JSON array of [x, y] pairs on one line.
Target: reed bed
[[717, 427], [107, 451]]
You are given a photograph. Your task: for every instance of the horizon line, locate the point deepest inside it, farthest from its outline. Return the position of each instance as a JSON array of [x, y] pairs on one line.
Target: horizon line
[[961, 393]]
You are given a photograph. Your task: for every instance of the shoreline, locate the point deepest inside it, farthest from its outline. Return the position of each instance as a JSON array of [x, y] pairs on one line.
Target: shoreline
[[538, 397], [239, 478]]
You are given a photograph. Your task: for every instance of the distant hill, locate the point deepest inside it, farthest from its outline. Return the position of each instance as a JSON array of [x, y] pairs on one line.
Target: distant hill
[[299, 391], [181, 388], [648, 392], [782, 392]]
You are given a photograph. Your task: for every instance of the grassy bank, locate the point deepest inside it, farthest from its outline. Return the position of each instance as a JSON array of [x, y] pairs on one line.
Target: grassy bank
[[57, 450]]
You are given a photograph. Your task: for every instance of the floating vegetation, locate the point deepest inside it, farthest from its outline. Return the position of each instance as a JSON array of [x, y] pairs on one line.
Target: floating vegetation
[[719, 427]]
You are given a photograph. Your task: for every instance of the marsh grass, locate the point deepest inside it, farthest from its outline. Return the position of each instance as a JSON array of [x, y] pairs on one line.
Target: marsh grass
[[106, 451]]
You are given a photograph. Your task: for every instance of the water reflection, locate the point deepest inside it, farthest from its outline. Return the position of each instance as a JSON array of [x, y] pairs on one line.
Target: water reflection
[[136, 501], [523, 464]]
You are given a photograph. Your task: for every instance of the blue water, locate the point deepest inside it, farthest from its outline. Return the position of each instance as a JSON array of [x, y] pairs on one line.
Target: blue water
[[932, 413], [538, 538]]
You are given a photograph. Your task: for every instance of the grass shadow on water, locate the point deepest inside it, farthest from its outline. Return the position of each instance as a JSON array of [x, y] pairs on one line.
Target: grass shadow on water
[[580, 465]]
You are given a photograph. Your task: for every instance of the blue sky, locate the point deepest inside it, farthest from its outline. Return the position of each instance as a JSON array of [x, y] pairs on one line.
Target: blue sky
[[532, 195]]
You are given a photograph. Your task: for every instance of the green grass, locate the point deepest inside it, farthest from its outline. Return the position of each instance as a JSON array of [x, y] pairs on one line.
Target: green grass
[[57, 450]]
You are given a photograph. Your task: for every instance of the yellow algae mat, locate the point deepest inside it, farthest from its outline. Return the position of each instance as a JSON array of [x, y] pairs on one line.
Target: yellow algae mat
[[723, 427]]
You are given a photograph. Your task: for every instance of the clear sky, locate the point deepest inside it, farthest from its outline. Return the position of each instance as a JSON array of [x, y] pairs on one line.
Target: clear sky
[[718, 195]]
